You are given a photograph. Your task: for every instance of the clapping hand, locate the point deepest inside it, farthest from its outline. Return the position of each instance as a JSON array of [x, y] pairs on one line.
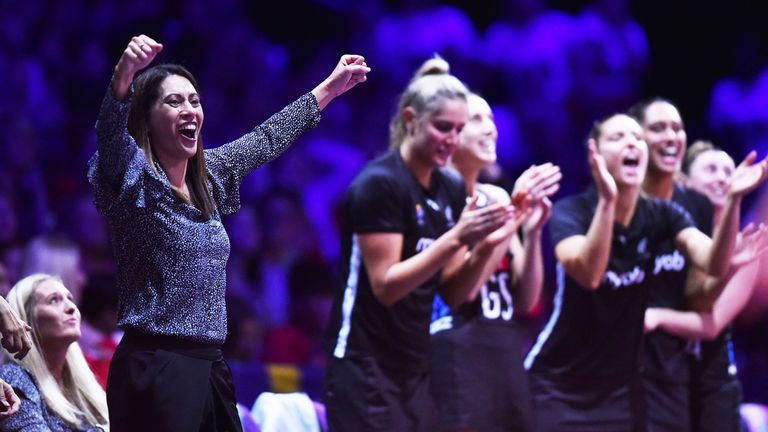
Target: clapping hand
[[475, 223], [751, 244], [748, 175], [539, 182], [606, 185]]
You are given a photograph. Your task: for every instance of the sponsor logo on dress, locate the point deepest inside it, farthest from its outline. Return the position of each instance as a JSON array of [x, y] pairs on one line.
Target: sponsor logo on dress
[[674, 261], [618, 280]]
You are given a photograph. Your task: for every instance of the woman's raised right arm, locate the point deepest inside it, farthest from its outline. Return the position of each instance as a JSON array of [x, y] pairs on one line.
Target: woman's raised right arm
[[114, 144], [139, 53], [585, 257]]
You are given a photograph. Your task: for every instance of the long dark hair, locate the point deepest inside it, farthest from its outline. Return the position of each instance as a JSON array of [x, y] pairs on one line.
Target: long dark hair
[[637, 111], [597, 128], [146, 89]]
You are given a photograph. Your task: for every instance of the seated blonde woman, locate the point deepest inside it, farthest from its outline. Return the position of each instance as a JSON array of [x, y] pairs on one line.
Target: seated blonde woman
[[57, 390]]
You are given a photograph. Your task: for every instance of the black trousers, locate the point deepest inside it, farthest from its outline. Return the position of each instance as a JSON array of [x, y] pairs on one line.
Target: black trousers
[[588, 406], [478, 380], [362, 397], [667, 406], [715, 406], [161, 383]]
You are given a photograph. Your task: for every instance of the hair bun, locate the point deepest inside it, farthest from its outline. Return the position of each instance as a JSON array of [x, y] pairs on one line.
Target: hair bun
[[434, 66]]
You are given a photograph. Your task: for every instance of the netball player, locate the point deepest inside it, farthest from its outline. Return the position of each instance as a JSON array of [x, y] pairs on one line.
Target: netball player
[[666, 357], [714, 389], [405, 237], [478, 380], [584, 367]]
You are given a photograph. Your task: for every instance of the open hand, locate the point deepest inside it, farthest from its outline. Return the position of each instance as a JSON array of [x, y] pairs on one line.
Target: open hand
[[539, 215], [606, 185], [748, 175], [751, 244], [474, 224], [539, 181]]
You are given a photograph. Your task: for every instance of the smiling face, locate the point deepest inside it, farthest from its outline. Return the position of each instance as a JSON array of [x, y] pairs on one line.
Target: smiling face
[[478, 137], [626, 154], [175, 120], [436, 136], [57, 316], [665, 135], [710, 174]]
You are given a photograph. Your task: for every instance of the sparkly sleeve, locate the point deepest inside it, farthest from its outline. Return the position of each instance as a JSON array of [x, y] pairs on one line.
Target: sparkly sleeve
[[29, 417], [118, 160], [228, 164]]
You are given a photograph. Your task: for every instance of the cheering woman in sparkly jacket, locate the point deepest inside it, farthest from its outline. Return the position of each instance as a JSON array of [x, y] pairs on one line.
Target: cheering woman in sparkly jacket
[[163, 196]]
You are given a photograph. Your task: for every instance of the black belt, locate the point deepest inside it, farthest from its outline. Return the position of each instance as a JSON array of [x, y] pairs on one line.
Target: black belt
[[140, 340]]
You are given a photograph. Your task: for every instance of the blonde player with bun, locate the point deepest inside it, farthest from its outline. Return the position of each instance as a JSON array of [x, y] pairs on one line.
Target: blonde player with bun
[[407, 232]]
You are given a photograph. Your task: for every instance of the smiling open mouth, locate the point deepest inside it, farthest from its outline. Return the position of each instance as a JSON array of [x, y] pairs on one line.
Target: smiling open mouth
[[669, 151], [631, 161], [188, 130]]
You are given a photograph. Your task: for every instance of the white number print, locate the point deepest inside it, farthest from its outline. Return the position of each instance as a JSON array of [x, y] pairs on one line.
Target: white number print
[[497, 304]]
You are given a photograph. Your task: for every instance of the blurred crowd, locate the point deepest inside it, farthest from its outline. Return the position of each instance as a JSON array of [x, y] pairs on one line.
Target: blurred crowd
[[547, 72]]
